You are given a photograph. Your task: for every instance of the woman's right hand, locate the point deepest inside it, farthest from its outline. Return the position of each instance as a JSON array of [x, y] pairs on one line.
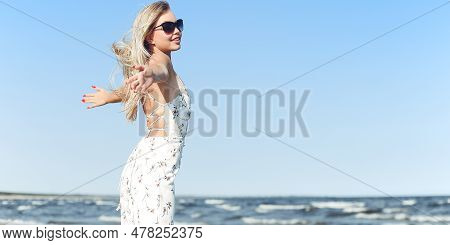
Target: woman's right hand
[[99, 98]]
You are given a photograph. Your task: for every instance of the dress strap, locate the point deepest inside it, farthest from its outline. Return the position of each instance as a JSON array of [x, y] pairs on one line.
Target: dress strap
[[155, 99], [182, 89], [151, 114]]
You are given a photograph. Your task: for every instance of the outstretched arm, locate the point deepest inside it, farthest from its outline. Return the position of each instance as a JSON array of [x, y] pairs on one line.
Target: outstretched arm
[[100, 97], [151, 72]]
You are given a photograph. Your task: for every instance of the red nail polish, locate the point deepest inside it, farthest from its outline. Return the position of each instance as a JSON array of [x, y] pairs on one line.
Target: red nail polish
[[93, 86], [84, 95], [82, 100]]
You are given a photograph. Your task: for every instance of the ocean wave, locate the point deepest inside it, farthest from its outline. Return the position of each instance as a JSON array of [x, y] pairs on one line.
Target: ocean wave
[[105, 203], [38, 202], [337, 205], [4, 202], [214, 201], [18, 222], [228, 207], [63, 222], [354, 209], [440, 202], [255, 221], [182, 200], [409, 202], [264, 208], [106, 218], [393, 210], [435, 219], [398, 216], [183, 203], [195, 215], [24, 207], [88, 202]]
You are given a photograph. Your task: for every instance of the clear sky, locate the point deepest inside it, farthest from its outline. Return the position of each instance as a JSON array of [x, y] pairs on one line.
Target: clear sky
[[380, 113]]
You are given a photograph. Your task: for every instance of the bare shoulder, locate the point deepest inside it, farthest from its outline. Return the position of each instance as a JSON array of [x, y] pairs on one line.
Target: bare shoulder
[[158, 63], [160, 69]]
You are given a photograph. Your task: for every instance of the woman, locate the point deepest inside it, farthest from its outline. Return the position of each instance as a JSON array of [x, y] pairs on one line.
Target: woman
[[147, 190]]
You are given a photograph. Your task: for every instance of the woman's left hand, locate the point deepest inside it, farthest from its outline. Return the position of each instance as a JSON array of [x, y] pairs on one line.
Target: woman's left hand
[[141, 81]]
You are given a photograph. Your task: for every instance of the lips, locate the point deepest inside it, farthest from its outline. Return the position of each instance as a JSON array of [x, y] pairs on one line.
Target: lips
[[176, 39]]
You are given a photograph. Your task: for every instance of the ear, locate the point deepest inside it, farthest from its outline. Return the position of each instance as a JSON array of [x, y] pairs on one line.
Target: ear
[[149, 40], [148, 43]]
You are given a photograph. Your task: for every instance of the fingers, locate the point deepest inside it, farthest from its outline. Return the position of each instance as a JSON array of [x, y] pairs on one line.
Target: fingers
[[92, 106], [139, 67], [94, 102], [139, 81], [147, 84], [88, 95], [88, 100], [96, 88], [131, 79]]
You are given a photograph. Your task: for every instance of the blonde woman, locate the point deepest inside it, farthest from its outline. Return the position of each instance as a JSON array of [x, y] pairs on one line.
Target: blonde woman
[[147, 190]]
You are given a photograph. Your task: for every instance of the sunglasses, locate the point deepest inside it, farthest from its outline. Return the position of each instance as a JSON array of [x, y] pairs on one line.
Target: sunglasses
[[169, 27]]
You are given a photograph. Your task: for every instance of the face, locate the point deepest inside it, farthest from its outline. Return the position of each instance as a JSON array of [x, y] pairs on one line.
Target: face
[[165, 42]]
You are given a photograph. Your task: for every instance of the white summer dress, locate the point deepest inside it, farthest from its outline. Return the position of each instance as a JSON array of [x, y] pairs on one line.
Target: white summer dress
[[147, 187]]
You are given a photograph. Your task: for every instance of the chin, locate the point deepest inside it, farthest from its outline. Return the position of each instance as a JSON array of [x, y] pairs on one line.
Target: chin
[[176, 47]]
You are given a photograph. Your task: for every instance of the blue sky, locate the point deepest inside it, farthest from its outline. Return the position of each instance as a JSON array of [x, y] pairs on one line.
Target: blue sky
[[380, 113]]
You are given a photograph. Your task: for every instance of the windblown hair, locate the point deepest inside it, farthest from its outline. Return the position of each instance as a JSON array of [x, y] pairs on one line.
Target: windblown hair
[[135, 50]]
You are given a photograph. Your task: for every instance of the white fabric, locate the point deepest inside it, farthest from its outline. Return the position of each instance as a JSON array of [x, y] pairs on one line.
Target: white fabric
[[147, 187]]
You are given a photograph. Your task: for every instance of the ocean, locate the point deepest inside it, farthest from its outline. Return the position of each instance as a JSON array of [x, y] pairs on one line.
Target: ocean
[[292, 210]]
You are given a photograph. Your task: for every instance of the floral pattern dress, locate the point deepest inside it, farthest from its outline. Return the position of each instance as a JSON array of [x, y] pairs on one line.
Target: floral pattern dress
[[147, 182]]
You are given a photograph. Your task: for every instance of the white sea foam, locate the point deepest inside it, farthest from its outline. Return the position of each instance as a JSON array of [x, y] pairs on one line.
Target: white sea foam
[[185, 200], [214, 201], [228, 207], [337, 205], [17, 222], [435, 219], [264, 208], [109, 218], [38, 202], [409, 202], [195, 215], [400, 216], [393, 210], [373, 216], [24, 207], [105, 203], [255, 221]]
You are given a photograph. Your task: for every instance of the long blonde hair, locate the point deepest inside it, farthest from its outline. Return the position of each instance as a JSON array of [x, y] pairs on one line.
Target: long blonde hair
[[136, 51]]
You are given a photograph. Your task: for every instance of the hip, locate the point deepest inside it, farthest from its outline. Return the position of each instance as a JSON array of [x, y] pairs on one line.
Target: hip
[[157, 149]]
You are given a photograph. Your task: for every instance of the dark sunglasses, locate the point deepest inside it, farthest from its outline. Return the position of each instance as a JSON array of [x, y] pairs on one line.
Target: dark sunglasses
[[169, 27]]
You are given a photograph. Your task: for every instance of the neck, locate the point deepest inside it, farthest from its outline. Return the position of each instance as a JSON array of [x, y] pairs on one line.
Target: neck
[[163, 55]]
